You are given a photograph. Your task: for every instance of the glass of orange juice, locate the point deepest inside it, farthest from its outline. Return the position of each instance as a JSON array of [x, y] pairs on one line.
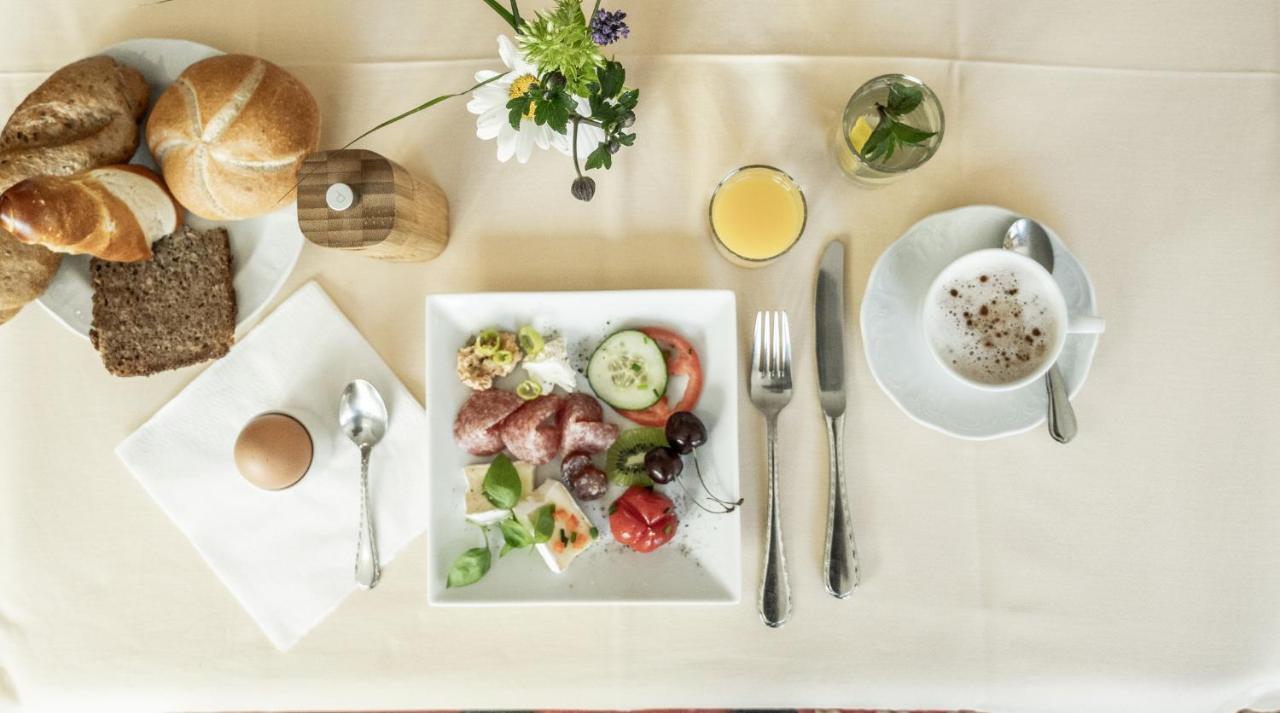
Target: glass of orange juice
[[757, 213]]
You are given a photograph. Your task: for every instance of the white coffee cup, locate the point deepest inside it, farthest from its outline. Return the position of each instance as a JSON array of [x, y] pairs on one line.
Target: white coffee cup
[[1035, 289]]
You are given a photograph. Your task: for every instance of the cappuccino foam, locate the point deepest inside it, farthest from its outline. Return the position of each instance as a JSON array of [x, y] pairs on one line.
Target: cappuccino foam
[[993, 327]]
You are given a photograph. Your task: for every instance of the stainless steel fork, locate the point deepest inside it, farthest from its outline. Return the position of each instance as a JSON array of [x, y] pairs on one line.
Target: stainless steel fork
[[770, 388]]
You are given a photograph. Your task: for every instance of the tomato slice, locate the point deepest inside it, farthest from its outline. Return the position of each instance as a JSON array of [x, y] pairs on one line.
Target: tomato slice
[[643, 519], [682, 360]]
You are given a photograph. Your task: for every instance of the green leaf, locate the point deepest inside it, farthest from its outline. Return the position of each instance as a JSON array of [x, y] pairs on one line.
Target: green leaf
[[502, 483], [517, 108], [626, 139], [508, 15], [909, 134], [515, 535], [600, 157], [903, 98], [470, 567], [544, 522], [611, 77], [875, 142], [424, 105], [629, 98]]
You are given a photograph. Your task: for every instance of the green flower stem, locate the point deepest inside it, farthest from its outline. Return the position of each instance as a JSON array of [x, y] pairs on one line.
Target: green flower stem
[[576, 120]]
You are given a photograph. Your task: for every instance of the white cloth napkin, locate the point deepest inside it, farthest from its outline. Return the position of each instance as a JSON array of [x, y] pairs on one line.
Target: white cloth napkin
[[288, 555]]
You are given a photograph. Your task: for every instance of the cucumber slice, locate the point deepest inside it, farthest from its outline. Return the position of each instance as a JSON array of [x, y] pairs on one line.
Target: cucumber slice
[[628, 371]]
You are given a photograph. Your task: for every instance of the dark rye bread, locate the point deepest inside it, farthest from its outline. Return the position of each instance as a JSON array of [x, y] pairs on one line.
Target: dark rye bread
[[174, 310]]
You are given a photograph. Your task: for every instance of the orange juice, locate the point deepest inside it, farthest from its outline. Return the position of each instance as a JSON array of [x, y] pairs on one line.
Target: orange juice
[[757, 213]]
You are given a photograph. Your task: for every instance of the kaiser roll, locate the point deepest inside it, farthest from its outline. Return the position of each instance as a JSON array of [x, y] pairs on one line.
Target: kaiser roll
[[230, 134]]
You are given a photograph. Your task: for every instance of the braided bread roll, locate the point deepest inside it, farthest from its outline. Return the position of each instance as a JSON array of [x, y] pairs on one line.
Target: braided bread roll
[[114, 213]]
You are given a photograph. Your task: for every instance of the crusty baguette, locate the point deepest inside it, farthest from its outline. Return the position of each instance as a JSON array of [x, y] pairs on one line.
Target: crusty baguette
[[113, 213], [230, 135], [83, 116]]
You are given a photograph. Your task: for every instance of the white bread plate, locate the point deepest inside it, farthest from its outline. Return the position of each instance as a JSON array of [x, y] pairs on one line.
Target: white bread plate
[[263, 250]]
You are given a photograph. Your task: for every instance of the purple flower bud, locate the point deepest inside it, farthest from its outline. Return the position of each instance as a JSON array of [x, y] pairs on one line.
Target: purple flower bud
[[608, 27]]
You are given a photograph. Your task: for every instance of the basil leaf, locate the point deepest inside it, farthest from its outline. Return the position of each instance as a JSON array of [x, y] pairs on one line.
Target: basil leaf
[[903, 98], [515, 535], [910, 134], [470, 567], [502, 483], [544, 523]]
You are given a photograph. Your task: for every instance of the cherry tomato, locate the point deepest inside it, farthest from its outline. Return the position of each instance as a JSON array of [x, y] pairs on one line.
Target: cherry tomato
[[643, 519], [682, 360]]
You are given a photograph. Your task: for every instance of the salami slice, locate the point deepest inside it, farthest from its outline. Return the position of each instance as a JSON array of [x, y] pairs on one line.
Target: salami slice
[[583, 430], [475, 429], [581, 407], [589, 436], [529, 433]]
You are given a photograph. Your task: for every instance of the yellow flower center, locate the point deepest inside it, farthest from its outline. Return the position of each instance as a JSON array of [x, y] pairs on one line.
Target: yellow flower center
[[519, 88]]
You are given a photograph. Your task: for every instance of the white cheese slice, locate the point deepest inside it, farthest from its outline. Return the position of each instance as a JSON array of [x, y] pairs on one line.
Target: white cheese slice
[[551, 367], [478, 508], [573, 533]]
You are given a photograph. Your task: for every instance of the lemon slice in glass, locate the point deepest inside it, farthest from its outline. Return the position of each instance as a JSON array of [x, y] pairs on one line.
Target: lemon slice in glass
[[860, 132]]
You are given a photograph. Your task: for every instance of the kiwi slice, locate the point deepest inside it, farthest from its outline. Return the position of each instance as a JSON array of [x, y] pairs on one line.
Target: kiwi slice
[[624, 464]]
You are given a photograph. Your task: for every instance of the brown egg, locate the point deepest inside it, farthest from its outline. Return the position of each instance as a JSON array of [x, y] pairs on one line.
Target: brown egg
[[273, 451]]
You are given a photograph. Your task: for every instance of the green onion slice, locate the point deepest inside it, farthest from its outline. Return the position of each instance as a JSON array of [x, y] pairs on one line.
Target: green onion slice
[[529, 389], [531, 341], [487, 342]]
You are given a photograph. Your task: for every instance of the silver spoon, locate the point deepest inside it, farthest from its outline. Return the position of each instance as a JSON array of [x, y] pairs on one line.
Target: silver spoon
[[1027, 237], [363, 418]]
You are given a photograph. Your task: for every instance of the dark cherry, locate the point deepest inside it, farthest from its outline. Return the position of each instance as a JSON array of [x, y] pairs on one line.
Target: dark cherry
[[685, 432], [588, 483], [663, 464]]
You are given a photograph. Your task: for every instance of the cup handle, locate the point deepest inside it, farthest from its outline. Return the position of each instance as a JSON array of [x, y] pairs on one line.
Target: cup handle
[[1086, 325]]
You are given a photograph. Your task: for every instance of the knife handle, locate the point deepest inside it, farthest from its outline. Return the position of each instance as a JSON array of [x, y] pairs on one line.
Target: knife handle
[[840, 556]]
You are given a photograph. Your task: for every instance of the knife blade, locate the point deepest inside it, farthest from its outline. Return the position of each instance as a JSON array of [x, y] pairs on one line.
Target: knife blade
[[829, 313], [840, 560]]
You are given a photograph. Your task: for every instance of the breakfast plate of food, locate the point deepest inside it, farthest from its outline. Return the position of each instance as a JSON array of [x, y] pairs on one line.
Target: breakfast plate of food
[[583, 448], [138, 241]]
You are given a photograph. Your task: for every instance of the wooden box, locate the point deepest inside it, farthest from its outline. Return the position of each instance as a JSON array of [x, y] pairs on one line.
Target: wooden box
[[357, 200]]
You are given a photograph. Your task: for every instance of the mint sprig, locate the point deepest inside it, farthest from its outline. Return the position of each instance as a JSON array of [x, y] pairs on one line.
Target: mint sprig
[[890, 133]]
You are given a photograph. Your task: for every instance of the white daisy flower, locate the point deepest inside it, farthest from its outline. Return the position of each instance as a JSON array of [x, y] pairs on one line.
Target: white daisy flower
[[490, 103]]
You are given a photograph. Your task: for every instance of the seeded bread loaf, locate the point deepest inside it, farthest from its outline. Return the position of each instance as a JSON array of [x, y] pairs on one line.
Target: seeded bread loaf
[[177, 309], [83, 116]]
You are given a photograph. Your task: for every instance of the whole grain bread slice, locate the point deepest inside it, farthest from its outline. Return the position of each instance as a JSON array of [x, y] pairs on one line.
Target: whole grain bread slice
[[177, 309]]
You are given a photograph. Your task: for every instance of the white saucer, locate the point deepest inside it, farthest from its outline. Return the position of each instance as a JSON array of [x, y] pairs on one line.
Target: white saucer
[[263, 250], [899, 358]]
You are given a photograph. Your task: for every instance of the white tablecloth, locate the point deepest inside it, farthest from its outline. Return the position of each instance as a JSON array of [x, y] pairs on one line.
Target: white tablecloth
[[1135, 570]]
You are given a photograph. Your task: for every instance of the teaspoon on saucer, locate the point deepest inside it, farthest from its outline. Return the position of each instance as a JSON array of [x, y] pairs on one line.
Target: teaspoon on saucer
[[1026, 237]]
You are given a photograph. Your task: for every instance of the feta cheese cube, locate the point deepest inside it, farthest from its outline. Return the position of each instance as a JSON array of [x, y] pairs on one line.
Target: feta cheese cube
[[478, 508], [572, 532]]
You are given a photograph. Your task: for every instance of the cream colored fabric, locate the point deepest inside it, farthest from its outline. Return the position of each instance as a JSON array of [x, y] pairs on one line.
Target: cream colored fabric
[[1137, 569]]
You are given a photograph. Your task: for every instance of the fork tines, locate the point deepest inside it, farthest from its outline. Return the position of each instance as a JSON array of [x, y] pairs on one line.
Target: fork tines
[[771, 349]]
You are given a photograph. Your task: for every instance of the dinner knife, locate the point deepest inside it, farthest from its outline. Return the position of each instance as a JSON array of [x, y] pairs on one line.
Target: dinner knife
[[840, 558]]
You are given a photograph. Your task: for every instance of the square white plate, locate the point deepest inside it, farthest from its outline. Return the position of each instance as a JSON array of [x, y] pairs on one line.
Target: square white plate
[[702, 565]]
